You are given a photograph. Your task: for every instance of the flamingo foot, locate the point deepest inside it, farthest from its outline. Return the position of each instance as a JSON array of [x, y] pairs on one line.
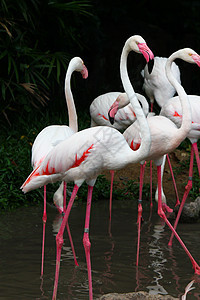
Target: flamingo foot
[[177, 203], [166, 208], [196, 268]]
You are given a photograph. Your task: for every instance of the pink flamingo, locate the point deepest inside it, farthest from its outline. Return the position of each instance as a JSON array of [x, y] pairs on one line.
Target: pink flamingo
[[125, 115], [157, 87], [172, 110], [165, 135], [52, 135], [85, 154]]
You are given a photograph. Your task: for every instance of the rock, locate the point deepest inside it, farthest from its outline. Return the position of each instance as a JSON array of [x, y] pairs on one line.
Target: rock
[[135, 296], [191, 211]]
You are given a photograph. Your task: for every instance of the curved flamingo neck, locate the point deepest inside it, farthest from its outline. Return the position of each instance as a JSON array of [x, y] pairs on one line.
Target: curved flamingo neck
[[73, 124], [144, 149], [185, 104]]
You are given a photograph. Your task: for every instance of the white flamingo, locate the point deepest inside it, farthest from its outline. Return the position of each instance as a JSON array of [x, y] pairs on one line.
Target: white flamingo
[[157, 87], [52, 135], [124, 113], [172, 110], [165, 135]]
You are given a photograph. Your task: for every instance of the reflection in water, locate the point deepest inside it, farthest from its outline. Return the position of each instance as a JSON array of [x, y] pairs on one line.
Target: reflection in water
[[156, 252], [161, 269]]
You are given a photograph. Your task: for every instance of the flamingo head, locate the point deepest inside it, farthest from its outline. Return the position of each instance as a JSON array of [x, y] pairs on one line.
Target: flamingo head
[[190, 56], [138, 44], [78, 65], [113, 110]]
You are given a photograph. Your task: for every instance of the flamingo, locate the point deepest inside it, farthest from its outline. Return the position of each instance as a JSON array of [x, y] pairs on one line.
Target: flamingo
[[125, 114], [165, 135], [52, 135], [172, 110], [157, 87], [85, 154]]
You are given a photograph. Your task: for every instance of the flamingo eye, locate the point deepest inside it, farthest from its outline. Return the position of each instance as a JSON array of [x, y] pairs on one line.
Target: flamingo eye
[[190, 54]]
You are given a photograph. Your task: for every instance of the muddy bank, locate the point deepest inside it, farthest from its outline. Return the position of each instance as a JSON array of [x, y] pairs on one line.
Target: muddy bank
[[135, 295]]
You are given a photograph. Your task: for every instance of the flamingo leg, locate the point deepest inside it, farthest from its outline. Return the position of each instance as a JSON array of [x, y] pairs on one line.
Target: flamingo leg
[[174, 182], [59, 239], [44, 219], [112, 173], [142, 168], [194, 145], [187, 190], [139, 229], [64, 196], [163, 216], [86, 241], [72, 244]]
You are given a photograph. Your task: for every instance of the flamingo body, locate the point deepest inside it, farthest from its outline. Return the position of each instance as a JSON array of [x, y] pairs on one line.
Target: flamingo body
[[173, 111], [124, 117], [156, 84], [82, 157], [46, 140]]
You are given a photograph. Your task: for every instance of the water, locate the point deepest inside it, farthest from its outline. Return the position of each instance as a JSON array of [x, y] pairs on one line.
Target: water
[[113, 254]]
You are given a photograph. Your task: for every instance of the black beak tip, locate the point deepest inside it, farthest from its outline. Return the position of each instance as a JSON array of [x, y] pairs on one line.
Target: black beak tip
[[150, 65], [111, 119]]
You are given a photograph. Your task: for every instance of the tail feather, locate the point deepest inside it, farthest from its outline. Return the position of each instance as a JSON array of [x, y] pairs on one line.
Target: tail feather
[[36, 180]]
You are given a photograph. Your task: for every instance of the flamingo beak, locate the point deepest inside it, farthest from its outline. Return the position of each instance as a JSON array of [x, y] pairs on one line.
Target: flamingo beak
[[84, 72], [196, 59], [112, 112], [145, 50]]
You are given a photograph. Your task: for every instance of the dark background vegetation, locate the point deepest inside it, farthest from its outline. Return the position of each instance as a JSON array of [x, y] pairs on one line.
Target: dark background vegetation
[[37, 40]]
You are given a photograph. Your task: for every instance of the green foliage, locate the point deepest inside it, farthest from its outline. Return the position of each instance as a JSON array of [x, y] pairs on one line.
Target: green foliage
[[32, 34]]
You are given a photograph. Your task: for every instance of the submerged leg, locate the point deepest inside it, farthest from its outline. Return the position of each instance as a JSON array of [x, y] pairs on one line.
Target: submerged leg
[[163, 216], [59, 239], [44, 219], [86, 241], [72, 244], [187, 190], [112, 173], [139, 229], [142, 168], [174, 182]]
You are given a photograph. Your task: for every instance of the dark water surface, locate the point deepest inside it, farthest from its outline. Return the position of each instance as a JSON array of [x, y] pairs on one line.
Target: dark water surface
[[162, 269]]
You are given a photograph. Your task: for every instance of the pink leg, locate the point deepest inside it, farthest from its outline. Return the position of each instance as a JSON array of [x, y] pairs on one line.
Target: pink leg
[[86, 241], [187, 190], [142, 168], [44, 227], [172, 174], [194, 145], [64, 196], [112, 173], [59, 239], [72, 244], [163, 216], [139, 229]]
